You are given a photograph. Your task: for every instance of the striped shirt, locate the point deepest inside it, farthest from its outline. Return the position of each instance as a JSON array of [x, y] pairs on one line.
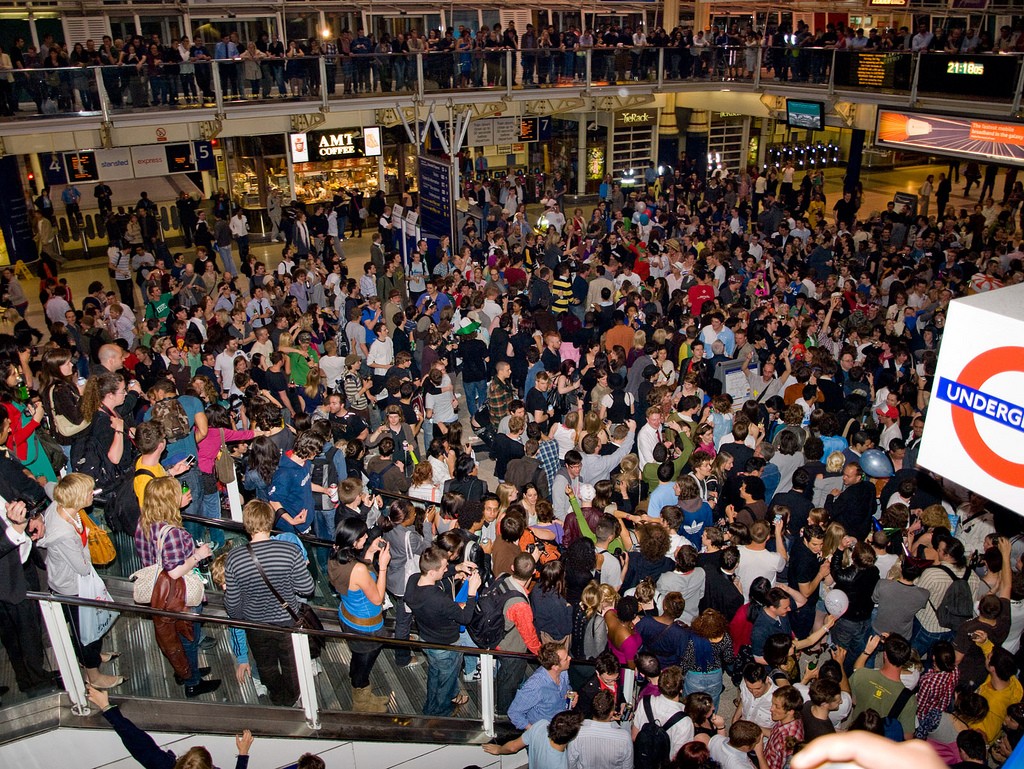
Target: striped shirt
[[247, 596], [601, 744]]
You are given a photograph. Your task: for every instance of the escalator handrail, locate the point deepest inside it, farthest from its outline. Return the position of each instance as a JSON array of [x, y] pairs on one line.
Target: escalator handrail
[[149, 611]]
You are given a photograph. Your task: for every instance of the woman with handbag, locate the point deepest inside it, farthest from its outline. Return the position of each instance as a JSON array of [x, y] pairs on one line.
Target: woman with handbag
[[60, 395], [161, 540], [363, 589], [69, 572]]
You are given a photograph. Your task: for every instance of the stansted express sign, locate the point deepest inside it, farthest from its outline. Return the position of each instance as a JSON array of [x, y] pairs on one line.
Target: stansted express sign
[[975, 421]]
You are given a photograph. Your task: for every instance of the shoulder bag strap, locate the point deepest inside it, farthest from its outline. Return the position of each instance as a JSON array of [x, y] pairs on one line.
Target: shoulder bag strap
[[266, 581], [160, 546], [901, 702]]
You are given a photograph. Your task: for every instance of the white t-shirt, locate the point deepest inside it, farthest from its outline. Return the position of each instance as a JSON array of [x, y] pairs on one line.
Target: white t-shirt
[[662, 708], [726, 755], [333, 367], [758, 563]]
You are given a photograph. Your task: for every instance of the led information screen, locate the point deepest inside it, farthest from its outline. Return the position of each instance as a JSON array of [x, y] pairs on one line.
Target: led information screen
[[435, 197], [887, 71], [989, 76], [948, 135]]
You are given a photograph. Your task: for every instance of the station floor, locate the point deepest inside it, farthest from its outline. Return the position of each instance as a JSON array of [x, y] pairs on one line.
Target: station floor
[[879, 188]]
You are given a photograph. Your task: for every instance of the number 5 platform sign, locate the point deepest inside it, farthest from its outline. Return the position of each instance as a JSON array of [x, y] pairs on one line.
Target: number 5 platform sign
[[974, 431]]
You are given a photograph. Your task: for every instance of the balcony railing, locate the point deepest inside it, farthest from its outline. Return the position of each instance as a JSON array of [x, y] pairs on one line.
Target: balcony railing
[[329, 81]]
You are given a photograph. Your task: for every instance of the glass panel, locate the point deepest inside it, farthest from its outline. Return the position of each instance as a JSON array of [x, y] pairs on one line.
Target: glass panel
[[467, 19], [122, 27], [50, 32], [301, 26], [13, 29], [490, 18]]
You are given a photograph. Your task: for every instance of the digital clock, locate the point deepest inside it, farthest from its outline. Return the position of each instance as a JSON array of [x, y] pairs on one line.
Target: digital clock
[[965, 68]]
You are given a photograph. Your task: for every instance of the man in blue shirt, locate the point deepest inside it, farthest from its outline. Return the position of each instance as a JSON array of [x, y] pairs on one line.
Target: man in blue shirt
[[544, 693], [291, 490], [433, 301], [666, 493]]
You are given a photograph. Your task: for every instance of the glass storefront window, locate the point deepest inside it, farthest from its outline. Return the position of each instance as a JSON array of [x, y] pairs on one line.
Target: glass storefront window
[[259, 167], [468, 19], [301, 26], [167, 28], [322, 181]]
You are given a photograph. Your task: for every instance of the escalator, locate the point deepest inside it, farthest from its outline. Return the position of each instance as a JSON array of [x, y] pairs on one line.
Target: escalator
[[151, 698]]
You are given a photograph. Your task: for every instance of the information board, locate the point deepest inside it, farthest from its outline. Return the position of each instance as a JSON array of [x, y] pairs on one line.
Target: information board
[[879, 71], [435, 185]]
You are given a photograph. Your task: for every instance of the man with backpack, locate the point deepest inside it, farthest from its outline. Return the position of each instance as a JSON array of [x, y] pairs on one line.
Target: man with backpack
[[952, 588], [660, 726], [504, 620], [883, 691]]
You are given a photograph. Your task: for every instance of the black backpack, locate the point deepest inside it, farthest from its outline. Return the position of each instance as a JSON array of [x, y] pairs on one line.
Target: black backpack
[[487, 627], [324, 473], [957, 605], [652, 747], [124, 511]]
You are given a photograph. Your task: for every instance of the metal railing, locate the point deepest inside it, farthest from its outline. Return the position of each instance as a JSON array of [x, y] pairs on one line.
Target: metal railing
[[324, 80], [73, 681]]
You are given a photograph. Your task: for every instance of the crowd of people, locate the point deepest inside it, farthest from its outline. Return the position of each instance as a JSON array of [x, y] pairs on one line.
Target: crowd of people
[[777, 539], [143, 71]]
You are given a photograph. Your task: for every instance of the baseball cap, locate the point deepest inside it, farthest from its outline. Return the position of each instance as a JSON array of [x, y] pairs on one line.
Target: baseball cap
[[888, 411]]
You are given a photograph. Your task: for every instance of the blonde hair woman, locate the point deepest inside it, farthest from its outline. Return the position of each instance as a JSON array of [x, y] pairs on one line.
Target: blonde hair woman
[[161, 538], [507, 494], [69, 564]]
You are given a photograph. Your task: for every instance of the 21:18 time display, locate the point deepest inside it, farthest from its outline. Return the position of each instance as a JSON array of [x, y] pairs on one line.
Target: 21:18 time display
[[965, 68]]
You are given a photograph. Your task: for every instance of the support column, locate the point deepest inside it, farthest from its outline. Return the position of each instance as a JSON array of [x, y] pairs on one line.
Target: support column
[[581, 158]]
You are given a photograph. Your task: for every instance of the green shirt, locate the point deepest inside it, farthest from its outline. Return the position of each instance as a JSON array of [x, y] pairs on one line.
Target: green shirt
[[873, 690], [300, 366], [159, 308]]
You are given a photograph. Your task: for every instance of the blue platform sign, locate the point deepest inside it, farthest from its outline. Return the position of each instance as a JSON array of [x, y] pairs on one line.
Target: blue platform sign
[[436, 213]]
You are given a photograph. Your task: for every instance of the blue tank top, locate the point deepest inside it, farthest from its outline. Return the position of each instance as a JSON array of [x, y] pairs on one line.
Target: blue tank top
[[359, 612]]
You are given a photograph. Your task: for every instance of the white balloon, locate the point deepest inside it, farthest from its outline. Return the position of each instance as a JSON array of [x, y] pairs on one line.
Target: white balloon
[[837, 602]]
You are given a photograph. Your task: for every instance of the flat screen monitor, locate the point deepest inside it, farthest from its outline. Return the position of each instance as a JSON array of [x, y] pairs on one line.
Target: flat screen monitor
[[805, 114]]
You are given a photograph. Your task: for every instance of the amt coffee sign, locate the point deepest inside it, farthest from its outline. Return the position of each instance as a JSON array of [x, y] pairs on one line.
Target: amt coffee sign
[[975, 418], [324, 146]]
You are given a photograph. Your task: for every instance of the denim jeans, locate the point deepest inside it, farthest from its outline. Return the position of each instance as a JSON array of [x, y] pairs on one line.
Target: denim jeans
[[709, 683], [323, 527], [192, 651], [228, 259], [470, 662], [211, 509], [852, 635], [403, 626], [924, 639], [476, 395], [442, 681]]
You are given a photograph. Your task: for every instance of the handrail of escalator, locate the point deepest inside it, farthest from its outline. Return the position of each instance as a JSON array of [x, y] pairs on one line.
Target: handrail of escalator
[[149, 611], [232, 525], [235, 526]]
